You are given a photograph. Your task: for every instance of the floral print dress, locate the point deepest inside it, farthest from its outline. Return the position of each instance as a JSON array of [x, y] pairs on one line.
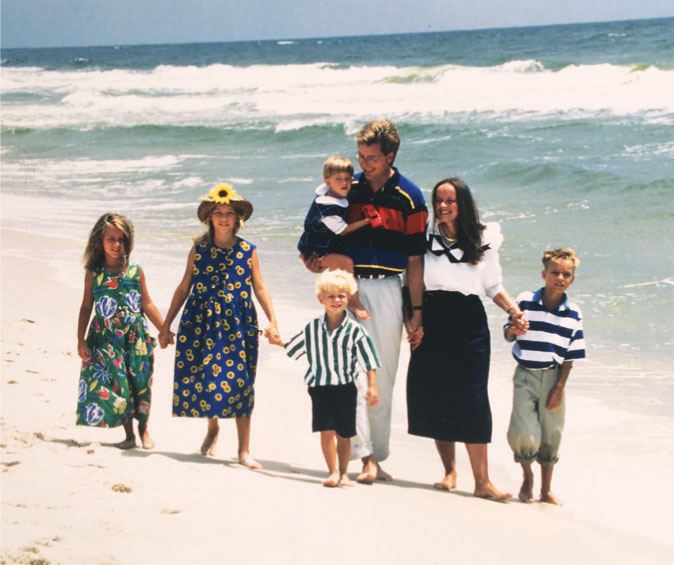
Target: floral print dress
[[115, 380], [217, 345]]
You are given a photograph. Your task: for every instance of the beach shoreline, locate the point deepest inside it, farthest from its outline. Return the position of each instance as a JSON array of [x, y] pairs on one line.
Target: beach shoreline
[[68, 496]]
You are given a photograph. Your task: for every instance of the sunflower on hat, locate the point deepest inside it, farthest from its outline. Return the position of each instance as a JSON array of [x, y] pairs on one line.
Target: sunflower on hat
[[222, 194]]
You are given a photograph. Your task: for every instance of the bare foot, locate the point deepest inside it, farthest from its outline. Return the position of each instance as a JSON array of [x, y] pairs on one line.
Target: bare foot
[[383, 475], [369, 474], [490, 492], [332, 480], [128, 443], [527, 490], [247, 461], [146, 441], [550, 498], [344, 480], [447, 483], [208, 445]]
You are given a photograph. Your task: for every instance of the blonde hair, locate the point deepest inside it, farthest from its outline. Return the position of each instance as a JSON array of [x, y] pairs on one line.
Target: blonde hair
[[94, 255], [334, 165], [336, 280], [560, 254], [383, 132]]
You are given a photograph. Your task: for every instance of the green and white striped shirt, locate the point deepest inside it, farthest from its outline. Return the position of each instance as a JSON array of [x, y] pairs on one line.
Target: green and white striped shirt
[[333, 357]]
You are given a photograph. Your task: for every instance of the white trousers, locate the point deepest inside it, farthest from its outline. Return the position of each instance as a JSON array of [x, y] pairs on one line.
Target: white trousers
[[383, 300]]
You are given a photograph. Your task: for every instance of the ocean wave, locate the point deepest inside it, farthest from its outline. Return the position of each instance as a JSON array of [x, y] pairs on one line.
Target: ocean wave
[[294, 96]]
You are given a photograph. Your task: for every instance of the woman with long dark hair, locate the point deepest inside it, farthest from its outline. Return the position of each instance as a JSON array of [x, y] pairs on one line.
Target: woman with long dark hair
[[448, 373]]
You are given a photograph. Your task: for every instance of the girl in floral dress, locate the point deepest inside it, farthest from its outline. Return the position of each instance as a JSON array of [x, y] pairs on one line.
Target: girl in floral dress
[[216, 353], [117, 354]]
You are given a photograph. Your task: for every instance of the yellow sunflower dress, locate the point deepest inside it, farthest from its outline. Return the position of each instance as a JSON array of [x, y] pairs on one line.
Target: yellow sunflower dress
[[217, 345]]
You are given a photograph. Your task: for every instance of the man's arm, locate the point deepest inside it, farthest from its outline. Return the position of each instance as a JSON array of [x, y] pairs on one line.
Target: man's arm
[[415, 283]]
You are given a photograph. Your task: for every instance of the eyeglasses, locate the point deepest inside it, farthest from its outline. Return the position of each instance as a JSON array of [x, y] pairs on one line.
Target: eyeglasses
[[370, 159]]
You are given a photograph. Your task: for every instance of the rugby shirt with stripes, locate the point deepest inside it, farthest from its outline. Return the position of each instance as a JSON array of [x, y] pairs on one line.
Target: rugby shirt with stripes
[[334, 357], [554, 336], [384, 250]]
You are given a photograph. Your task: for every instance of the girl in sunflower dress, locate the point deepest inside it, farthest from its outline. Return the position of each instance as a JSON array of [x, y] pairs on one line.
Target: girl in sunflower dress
[[217, 344], [118, 352]]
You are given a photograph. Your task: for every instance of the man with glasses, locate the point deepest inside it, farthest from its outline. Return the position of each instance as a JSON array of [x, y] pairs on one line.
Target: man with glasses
[[380, 255]]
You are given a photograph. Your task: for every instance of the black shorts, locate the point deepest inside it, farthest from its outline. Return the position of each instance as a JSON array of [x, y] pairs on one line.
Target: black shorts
[[333, 408]]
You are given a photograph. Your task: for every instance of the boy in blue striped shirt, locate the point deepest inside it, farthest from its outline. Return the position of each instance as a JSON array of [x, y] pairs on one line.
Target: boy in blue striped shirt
[[336, 346], [544, 353]]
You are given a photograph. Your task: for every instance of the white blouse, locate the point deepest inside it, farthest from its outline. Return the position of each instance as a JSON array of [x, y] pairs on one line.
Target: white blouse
[[483, 279]]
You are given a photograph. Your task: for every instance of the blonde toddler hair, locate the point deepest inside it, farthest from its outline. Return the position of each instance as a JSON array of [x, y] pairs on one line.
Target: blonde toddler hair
[[334, 165], [336, 280]]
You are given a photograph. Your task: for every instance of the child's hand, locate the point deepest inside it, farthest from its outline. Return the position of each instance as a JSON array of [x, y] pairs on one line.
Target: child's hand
[[372, 396], [83, 351], [166, 338], [519, 324], [276, 340], [554, 398], [272, 335], [313, 263], [372, 215]]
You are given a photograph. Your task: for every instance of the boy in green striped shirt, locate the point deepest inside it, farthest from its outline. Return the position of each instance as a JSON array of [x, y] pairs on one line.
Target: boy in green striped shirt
[[336, 346]]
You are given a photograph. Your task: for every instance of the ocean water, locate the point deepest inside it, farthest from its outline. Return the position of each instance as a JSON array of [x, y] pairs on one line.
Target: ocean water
[[564, 134]]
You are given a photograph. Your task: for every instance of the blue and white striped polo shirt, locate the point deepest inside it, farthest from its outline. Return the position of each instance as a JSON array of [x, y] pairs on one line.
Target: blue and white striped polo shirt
[[554, 336], [333, 356]]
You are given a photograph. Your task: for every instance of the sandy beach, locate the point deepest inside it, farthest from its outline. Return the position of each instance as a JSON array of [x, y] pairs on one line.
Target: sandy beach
[[69, 496]]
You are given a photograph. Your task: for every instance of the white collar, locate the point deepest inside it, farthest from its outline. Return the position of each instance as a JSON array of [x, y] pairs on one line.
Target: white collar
[[322, 197]]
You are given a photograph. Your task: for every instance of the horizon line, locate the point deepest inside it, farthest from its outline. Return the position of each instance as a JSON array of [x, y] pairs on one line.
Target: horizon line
[[316, 38]]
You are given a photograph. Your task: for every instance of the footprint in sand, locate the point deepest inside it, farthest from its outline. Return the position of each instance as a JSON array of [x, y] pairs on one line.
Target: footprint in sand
[[120, 487]]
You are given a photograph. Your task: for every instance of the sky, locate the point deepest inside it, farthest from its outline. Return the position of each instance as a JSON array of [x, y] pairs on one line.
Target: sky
[[58, 23]]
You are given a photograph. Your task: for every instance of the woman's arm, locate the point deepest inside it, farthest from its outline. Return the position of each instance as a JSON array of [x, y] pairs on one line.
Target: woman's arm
[[85, 313], [148, 306], [179, 296], [519, 323], [264, 298]]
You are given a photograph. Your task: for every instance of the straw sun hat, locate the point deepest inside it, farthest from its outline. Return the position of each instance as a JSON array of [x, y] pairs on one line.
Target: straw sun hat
[[224, 194]]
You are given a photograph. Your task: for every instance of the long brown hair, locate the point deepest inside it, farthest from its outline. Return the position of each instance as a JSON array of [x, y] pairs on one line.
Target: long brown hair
[[94, 255], [468, 226]]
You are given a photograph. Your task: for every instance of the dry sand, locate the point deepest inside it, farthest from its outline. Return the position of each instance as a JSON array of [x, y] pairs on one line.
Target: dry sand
[[68, 496]]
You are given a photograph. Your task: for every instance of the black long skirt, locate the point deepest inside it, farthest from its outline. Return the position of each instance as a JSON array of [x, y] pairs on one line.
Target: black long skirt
[[448, 373]]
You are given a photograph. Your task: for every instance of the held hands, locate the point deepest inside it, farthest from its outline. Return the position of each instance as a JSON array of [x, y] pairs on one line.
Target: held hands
[[166, 337], [372, 215], [518, 323], [415, 338], [273, 336], [415, 331]]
